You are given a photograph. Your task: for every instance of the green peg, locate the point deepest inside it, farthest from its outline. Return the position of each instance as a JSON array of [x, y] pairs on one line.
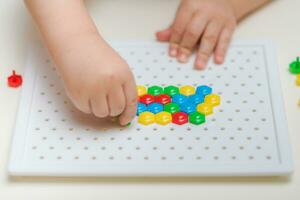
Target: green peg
[[114, 119], [295, 66]]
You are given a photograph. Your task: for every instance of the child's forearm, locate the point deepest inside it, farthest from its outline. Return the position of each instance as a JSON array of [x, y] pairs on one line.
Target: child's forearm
[[61, 23], [245, 7]]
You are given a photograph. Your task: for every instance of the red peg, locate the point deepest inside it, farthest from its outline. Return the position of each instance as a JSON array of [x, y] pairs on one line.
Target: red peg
[[14, 80], [180, 118], [146, 99], [163, 99]]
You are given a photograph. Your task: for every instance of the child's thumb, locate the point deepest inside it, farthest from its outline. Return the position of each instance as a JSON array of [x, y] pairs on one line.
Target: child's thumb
[[164, 35]]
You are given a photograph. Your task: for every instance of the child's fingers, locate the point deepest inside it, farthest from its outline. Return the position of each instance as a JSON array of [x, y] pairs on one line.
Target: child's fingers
[[131, 103], [223, 44], [207, 43], [183, 15], [191, 36], [164, 35], [116, 100], [99, 105]]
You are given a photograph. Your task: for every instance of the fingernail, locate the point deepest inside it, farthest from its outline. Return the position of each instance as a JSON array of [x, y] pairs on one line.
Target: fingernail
[[182, 58], [220, 59], [200, 64], [173, 52]]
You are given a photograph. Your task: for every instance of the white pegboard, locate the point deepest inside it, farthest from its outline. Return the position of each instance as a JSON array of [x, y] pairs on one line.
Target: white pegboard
[[247, 134]]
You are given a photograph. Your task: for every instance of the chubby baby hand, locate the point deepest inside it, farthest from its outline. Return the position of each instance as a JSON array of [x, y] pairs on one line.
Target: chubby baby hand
[[97, 79]]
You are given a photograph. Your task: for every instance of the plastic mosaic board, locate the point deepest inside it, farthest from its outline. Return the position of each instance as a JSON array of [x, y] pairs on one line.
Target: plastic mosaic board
[[245, 136]]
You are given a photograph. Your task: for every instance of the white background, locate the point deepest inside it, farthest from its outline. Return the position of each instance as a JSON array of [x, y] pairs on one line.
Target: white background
[[119, 20]]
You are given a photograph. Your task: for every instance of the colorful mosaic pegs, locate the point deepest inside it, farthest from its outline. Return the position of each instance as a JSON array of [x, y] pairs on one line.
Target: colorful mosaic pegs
[[175, 105]]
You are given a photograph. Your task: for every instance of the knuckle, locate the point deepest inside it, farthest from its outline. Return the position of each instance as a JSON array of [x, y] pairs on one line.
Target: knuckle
[[115, 74], [198, 13], [112, 77], [204, 54], [192, 33], [210, 38], [185, 50], [173, 44], [225, 41], [107, 77], [123, 75], [177, 29], [128, 75], [208, 7]]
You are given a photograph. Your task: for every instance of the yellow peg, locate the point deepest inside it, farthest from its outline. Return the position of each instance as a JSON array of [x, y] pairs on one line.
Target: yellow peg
[[146, 118], [205, 109], [141, 90], [163, 118], [187, 90], [212, 99]]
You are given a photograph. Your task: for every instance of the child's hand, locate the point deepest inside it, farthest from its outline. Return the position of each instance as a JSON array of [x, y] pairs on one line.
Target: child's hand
[[97, 79], [212, 22]]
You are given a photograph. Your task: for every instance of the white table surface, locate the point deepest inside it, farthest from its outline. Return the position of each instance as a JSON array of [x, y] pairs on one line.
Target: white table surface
[[119, 20]]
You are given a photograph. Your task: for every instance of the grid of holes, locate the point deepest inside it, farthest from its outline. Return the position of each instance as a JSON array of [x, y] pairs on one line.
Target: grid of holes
[[240, 130]]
